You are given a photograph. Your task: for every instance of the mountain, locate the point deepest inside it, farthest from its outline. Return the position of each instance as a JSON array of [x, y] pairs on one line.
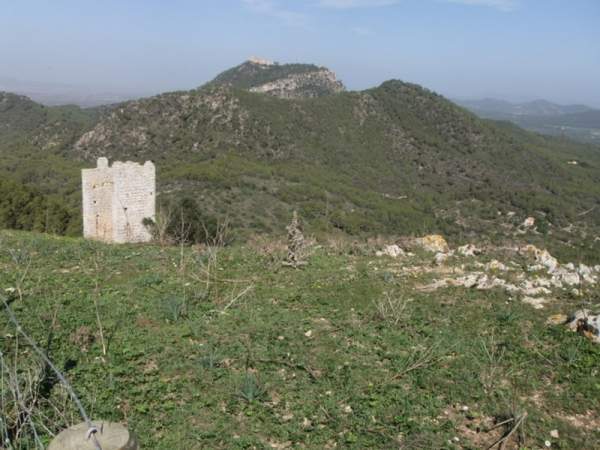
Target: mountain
[[394, 159], [55, 94], [579, 122], [281, 80], [585, 119], [495, 108]]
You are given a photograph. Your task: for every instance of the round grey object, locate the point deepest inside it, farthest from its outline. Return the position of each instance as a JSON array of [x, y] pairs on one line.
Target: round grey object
[[111, 436]]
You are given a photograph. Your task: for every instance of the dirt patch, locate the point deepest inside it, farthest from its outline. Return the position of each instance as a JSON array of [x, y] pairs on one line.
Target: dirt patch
[[474, 430], [589, 421], [83, 337]]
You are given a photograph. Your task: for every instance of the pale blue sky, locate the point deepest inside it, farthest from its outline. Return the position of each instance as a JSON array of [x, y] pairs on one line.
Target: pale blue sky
[[512, 49]]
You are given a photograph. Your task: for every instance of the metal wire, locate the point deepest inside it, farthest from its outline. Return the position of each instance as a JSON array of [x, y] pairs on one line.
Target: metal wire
[[92, 429]]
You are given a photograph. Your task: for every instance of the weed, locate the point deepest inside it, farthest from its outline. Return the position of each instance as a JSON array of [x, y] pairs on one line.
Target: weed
[[176, 308], [391, 309], [250, 389], [210, 360]]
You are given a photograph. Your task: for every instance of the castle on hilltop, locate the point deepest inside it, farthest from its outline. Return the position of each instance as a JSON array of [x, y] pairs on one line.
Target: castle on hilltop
[[261, 61], [117, 199]]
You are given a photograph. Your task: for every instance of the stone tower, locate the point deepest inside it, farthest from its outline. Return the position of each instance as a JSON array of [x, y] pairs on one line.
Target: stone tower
[[117, 199]]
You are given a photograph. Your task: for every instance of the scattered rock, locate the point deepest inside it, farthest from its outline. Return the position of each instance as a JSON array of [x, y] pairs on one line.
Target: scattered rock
[[440, 258], [393, 251], [496, 265], [586, 323], [536, 302], [547, 260], [469, 250], [562, 275], [542, 257], [587, 274], [528, 223], [468, 281], [533, 287], [433, 243], [557, 319]]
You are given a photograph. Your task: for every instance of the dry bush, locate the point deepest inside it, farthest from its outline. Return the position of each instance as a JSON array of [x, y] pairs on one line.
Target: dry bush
[[342, 245], [159, 227], [32, 404], [296, 246], [391, 309]]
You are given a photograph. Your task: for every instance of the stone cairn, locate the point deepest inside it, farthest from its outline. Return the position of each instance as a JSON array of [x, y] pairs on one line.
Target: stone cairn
[[296, 243]]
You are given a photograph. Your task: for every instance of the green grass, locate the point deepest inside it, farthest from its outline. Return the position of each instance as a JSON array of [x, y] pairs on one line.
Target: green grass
[[303, 357]]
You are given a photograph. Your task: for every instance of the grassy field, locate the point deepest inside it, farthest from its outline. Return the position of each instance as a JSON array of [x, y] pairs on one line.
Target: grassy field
[[206, 348]]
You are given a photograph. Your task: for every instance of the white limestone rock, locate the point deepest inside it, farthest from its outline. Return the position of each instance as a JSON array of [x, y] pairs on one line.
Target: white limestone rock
[[469, 250], [536, 302], [440, 258], [586, 323], [496, 265], [433, 243], [563, 276], [529, 222], [393, 251]]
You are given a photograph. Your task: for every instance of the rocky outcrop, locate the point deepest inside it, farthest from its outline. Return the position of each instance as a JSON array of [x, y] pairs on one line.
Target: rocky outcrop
[[585, 323], [433, 243], [393, 251], [289, 81], [302, 85], [469, 250]]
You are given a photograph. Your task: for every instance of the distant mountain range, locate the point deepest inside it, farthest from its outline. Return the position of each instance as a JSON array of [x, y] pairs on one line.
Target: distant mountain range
[[578, 122], [56, 94]]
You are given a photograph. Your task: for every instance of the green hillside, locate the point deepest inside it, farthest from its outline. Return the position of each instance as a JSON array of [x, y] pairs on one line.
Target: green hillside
[[395, 159]]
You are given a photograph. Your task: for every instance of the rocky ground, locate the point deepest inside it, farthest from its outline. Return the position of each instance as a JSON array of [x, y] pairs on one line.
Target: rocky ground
[[525, 273]]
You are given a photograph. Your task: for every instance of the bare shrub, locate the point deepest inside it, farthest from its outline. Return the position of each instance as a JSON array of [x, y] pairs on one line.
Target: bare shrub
[[159, 227], [391, 309], [296, 245]]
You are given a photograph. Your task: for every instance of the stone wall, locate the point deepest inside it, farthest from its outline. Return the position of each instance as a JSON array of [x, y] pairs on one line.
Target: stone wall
[[117, 199]]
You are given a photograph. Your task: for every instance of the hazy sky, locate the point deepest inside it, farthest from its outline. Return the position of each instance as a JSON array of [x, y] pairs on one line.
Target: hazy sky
[[512, 49]]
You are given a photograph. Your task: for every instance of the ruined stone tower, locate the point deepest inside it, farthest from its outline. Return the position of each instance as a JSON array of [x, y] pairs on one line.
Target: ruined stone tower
[[117, 199]]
